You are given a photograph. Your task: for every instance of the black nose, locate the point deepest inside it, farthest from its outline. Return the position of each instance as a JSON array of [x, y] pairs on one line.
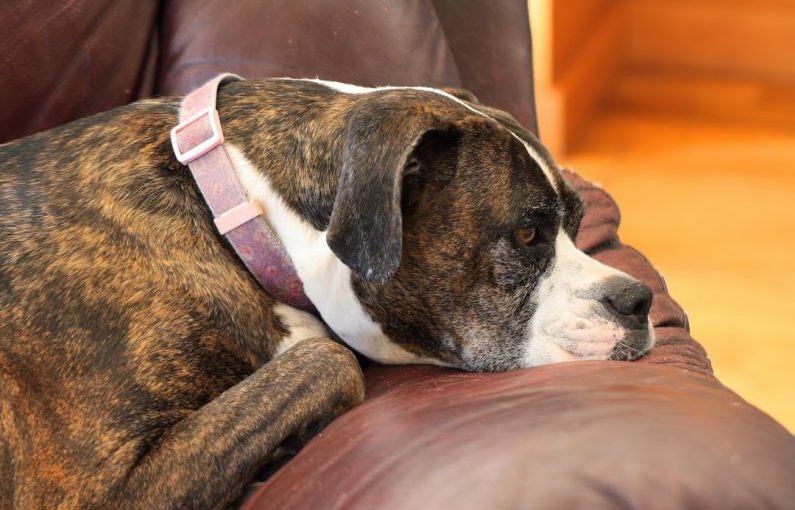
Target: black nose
[[627, 297]]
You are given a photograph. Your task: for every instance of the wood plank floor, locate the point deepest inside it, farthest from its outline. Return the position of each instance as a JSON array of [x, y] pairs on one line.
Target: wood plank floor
[[713, 206]]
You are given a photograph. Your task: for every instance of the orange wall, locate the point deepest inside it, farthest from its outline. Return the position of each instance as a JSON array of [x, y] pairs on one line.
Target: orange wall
[[750, 39], [575, 54], [731, 59]]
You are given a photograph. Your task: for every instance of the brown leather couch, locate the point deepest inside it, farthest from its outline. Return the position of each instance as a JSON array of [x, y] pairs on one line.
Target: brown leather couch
[[659, 433]]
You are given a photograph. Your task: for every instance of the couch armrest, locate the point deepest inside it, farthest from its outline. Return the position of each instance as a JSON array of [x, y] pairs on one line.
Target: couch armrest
[[576, 435], [658, 433]]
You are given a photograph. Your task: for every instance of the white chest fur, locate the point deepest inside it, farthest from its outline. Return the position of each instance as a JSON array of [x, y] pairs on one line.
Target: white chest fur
[[327, 281]]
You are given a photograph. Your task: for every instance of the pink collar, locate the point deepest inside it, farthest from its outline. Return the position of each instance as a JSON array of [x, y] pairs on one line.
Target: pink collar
[[198, 142]]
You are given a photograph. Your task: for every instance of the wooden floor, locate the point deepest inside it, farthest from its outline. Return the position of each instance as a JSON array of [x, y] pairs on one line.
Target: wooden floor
[[713, 206]]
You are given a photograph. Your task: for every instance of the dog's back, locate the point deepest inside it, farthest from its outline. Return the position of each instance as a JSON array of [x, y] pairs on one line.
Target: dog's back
[[100, 305]]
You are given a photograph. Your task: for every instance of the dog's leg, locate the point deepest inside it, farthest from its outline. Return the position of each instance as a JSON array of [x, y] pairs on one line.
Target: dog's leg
[[205, 460]]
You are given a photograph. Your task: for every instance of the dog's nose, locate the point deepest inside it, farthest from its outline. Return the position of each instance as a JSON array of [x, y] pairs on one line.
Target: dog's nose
[[627, 297]]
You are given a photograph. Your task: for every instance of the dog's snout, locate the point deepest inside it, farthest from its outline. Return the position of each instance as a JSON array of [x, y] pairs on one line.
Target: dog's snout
[[627, 297]]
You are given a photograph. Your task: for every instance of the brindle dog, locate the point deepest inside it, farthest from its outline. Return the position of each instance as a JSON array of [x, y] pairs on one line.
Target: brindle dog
[[141, 366]]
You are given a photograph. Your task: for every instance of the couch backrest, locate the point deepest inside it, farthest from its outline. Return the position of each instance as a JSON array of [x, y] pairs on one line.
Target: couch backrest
[[63, 60], [60, 61]]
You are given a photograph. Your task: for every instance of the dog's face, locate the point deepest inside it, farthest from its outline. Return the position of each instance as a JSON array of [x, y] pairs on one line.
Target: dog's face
[[458, 228]]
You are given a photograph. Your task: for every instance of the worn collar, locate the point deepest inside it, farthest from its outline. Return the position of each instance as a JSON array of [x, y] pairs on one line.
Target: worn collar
[[198, 142]]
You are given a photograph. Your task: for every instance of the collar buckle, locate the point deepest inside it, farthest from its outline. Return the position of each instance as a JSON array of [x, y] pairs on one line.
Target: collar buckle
[[197, 149]]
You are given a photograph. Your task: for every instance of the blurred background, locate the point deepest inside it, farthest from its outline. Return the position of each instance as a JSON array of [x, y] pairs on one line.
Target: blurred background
[[685, 111]]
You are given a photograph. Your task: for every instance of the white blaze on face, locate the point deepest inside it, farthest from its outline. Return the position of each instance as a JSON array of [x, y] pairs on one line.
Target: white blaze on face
[[569, 324]]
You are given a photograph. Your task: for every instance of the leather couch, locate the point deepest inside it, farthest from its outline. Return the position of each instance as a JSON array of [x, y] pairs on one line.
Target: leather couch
[[659, 433]]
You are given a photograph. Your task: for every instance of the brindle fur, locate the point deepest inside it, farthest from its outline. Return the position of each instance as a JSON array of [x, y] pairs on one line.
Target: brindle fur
[[135, 349]]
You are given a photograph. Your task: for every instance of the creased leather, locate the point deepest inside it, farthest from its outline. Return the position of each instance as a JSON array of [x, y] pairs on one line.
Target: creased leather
[[61, 61]]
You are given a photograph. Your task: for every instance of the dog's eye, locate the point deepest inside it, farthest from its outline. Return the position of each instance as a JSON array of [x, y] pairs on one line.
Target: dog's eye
[[526, 235]]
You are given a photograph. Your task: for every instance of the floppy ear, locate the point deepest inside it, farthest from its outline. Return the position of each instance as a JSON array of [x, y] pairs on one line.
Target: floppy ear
[[461, 94], [366, 228]]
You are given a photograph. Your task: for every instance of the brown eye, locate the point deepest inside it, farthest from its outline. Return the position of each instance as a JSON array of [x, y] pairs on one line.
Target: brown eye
[[526, 235]]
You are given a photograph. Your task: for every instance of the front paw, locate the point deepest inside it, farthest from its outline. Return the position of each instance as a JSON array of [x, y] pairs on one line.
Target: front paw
[[339, 382]]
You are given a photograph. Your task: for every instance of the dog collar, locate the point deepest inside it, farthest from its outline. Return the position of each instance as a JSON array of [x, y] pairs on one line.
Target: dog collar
[[198, 142]]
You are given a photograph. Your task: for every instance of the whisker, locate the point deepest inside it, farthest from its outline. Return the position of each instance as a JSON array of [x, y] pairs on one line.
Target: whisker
[[628, 351]]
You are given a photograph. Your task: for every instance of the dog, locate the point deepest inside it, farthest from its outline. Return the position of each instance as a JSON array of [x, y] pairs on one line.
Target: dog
[[141, 364]]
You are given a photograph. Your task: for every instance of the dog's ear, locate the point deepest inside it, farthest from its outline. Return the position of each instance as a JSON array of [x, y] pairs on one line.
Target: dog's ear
[[366, 227], [461, 94]]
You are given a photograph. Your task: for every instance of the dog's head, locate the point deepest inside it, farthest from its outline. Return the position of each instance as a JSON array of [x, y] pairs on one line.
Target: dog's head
[[450, 241], [458, 228]]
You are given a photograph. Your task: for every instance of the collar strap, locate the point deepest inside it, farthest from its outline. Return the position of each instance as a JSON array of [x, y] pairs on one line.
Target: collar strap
[[198, 142]]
